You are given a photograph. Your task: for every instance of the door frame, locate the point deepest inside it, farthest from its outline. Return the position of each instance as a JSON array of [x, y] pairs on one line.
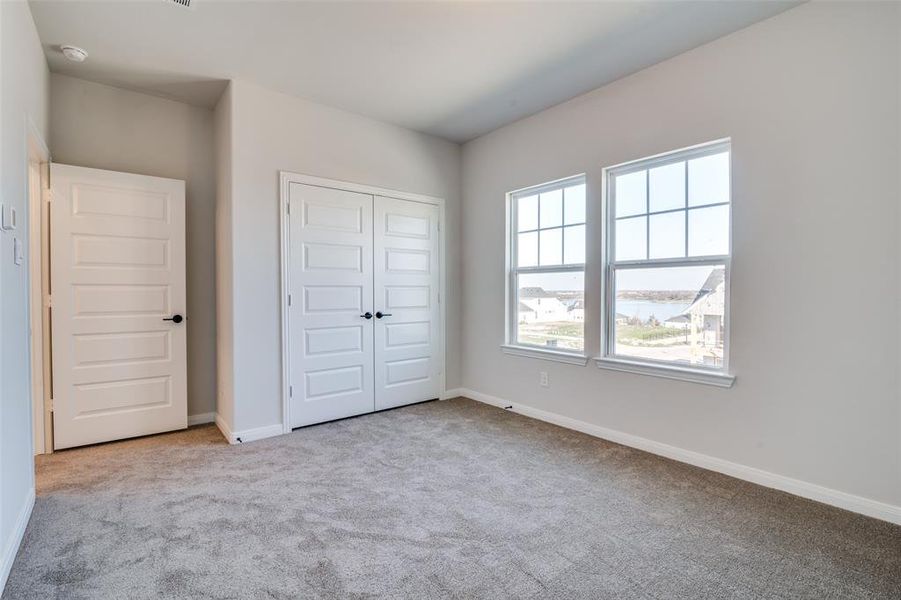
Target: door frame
[[286, 178], [38, 198]]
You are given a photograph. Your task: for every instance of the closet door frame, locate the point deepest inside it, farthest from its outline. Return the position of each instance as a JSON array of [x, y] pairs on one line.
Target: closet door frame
[[286, 178]]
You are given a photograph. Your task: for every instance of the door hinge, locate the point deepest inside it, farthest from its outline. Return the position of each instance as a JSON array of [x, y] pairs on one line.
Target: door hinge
[[289, 299], [288, 207], [51, 404], [290, 391], [48, 301]]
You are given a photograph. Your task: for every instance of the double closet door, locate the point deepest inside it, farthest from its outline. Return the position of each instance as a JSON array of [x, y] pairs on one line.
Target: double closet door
[[363, 316]]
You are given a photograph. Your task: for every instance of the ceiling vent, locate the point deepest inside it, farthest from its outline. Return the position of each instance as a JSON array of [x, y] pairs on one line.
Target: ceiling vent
[[185, 3]]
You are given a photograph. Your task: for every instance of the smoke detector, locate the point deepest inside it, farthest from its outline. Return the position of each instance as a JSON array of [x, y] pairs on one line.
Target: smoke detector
[[74, 53]]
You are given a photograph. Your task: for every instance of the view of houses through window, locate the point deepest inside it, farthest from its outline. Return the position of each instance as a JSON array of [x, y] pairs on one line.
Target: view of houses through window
[[676, 315], [551, 311], [548, 270], [669, 258]]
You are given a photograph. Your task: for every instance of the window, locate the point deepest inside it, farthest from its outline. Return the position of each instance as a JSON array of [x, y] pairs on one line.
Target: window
[[668, 258], [547, 267]]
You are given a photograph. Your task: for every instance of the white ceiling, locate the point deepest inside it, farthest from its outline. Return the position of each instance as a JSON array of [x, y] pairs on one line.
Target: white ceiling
[[455, 70]]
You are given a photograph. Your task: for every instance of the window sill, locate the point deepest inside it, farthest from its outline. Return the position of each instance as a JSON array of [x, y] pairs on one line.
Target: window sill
[[723, 380], [554, 355]]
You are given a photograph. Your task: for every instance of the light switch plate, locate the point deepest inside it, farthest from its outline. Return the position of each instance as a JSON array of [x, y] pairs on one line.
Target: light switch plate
[[9, 217], [18, 251]]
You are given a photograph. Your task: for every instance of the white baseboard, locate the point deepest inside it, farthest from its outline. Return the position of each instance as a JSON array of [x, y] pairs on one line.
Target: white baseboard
[[858, 504], [448, 394], [11, 548], [248, 435], [201, 419], [223, 428]]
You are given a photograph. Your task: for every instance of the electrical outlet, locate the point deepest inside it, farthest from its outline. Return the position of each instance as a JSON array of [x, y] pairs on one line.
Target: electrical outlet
[[542, 378]]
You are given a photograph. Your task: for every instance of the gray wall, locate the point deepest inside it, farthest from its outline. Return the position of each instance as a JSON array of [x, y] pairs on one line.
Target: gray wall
[[23, 96], [95, 125], [272, 132], [810, 99]]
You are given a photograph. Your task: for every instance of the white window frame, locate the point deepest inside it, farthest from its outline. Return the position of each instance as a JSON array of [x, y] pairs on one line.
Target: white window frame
[[512, 346], [718, 376]]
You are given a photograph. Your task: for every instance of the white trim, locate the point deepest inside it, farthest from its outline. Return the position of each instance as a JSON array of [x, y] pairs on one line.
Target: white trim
[[667, 371], [608, 216], [284, 226], [453, 393], [442, 289], [671, 156], [285, 179], [362, 188], [201, 418], [38, 155], [42, 151], [36, 292], [224, 428], [511, 269], [569, 358], [15, 539], [811, 491], [248, 435], [548, 186]]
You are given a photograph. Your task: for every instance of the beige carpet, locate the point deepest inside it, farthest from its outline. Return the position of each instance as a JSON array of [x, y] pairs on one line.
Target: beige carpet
[[441, 500]]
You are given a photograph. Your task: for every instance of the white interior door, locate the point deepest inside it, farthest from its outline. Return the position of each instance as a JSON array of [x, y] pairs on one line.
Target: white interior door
[[117, 247], [408, 347], [330, 289]]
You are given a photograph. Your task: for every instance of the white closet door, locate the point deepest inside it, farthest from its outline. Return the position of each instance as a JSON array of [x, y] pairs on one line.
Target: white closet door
[[330, 286], [117, 251], [408, 355]]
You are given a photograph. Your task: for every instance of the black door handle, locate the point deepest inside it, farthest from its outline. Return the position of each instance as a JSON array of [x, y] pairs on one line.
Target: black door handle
[[367, 315], [380, 314], [175, 319]]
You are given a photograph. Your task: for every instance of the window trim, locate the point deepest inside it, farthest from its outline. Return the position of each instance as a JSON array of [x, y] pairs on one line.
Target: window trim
[[608, 359], [666, 371], [512, 346], [532, 351]]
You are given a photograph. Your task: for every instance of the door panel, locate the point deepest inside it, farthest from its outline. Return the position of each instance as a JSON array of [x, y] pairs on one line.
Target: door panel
[[330, 285], [408, 354], [117, 270]]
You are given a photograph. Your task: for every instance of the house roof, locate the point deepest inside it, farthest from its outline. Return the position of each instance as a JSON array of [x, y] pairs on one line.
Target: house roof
[[523, 307], [714, 280], [534, 292], [716, 277]]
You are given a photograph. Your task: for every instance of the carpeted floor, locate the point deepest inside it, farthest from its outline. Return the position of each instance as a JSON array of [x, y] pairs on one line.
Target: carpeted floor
[[440, 500]]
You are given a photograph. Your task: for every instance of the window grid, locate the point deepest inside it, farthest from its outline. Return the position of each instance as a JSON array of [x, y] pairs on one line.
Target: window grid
[[614, 264], [562, 227], [648, 213], [562, 267]]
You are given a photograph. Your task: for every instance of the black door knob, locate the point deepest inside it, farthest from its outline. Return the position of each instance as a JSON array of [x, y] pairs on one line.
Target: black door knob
[[175, 319], [380, 314], [367, 315]]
